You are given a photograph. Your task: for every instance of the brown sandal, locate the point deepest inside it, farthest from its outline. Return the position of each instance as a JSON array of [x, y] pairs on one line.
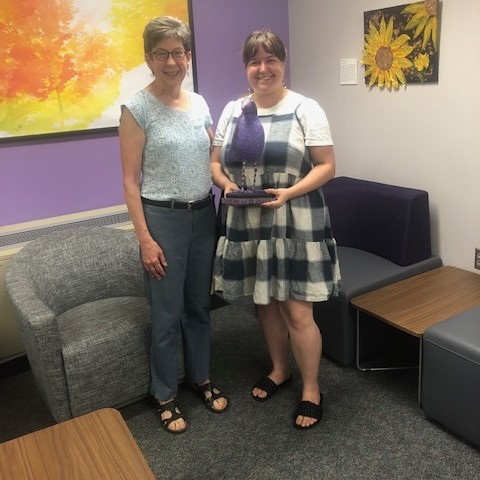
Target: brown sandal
[[176, 415], [209, 394]]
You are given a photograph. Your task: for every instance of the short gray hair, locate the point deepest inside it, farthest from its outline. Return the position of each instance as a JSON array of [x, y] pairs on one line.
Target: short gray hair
[[160, 28]]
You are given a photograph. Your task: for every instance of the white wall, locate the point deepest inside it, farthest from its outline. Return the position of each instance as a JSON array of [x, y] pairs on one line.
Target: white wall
[[422, 136]]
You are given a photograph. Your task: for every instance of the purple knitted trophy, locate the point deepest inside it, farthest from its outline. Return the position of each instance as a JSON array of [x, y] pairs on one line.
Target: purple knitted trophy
[[247, 147]]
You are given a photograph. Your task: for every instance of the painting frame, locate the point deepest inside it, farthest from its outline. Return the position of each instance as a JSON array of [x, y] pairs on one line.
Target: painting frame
[[20, 110]]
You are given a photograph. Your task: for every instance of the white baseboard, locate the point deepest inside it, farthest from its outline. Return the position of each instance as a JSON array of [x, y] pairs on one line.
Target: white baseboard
[[13, 237]]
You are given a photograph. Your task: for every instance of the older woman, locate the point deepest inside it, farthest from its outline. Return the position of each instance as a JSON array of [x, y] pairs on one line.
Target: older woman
[[165, 136]]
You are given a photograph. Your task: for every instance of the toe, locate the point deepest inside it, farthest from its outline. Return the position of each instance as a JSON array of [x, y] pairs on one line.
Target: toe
[[178, 425], [258, 392], [220, 404], [305, 422]]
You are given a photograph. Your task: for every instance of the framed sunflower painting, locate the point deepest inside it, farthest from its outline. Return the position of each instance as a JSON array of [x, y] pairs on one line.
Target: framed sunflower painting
[[67, 65], [401, 45]]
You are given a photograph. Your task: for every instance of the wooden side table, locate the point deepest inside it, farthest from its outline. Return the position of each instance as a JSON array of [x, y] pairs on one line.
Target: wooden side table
[[95, 446], [416, 303]]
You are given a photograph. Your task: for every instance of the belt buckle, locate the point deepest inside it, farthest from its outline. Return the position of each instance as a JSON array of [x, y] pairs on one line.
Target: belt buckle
[[190, 204]]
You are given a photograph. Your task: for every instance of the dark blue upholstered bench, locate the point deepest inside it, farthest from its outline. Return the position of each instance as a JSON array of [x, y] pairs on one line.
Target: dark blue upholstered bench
[[451, 374], [383, 236]]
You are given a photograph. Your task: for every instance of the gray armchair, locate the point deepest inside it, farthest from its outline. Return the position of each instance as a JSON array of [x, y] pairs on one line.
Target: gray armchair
[[84, 318]]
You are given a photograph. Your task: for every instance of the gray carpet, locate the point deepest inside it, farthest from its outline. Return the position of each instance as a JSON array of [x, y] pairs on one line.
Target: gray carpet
[[372, 428]]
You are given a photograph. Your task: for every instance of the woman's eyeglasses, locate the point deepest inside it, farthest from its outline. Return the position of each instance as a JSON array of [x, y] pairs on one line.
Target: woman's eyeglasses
[[162, 55]]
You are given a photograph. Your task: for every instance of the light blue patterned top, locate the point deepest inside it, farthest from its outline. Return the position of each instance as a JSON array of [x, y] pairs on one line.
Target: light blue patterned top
[[175, 164]]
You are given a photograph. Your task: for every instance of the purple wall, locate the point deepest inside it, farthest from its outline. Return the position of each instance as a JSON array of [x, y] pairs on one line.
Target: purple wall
[[220, 28], [49, 178]]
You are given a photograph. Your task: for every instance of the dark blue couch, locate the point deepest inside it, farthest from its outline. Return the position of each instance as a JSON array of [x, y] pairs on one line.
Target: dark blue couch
[[383, 236]]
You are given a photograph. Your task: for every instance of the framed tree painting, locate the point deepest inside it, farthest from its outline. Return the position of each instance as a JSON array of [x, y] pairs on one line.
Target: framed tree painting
[[67, 65], [401, 44]]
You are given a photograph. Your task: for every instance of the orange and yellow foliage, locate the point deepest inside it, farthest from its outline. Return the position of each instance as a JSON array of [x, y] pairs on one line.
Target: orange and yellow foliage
[[58, 73]]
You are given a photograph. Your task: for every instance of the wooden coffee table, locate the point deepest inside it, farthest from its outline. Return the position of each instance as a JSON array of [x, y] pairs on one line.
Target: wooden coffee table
[[96, 446], [417, 303]]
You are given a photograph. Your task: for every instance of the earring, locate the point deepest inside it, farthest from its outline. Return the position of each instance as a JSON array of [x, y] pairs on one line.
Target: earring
[[250, 91]]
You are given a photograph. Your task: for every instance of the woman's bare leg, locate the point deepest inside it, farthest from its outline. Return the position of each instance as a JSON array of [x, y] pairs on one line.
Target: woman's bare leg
[[275, 333], [306, 342]]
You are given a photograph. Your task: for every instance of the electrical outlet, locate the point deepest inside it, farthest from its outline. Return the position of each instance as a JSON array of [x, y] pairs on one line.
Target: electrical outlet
[[477, 258]]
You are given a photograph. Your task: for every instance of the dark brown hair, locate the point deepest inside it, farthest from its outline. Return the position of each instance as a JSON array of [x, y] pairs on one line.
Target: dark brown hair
[[268, 41]]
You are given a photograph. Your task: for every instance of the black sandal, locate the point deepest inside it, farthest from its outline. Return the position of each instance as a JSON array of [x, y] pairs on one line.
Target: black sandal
[[176, 415], [209, 393], [269, 387], [308, 409]]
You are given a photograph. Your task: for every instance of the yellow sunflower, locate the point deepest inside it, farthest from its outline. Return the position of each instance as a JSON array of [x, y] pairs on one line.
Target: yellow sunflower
[[384, 57], [421, 62], [423, 19]]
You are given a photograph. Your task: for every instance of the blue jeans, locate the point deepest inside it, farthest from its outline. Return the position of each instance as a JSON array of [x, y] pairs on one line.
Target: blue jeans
[[180, 302]]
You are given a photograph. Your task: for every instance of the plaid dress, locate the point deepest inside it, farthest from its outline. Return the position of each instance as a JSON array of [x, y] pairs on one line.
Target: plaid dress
[[282, 253]]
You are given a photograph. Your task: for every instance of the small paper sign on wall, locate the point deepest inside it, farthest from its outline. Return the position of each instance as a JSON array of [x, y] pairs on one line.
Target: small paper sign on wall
[[348, 71]]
